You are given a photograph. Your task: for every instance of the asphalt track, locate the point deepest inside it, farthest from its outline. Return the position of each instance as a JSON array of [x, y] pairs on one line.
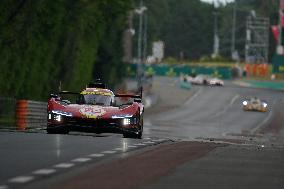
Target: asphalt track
[[207, 141], [215, 112]]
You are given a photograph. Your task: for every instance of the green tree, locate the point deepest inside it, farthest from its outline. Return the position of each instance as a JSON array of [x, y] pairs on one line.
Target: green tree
[[43, 43]]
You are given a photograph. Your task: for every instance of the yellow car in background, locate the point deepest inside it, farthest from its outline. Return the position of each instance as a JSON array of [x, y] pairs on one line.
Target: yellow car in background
[[255, 104]]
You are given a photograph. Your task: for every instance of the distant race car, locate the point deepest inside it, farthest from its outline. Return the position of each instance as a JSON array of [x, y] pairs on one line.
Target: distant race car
[[215, 81], [199, 80], [96, 110], [255, 104]]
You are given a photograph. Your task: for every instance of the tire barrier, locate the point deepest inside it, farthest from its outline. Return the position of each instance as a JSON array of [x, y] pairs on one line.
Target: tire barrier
[[30, 114], [256, 70]]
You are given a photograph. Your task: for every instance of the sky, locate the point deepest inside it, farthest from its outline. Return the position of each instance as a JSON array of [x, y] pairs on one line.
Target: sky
[[221, 1]]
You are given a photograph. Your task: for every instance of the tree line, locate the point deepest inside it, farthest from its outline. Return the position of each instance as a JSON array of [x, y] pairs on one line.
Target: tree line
[[187, 26], [44, 44]]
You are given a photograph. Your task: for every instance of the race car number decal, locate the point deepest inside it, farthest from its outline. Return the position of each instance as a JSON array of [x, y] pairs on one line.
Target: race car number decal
[[92, 111]]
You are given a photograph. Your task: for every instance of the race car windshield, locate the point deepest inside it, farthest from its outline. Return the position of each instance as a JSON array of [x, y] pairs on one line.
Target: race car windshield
[[93, 99]]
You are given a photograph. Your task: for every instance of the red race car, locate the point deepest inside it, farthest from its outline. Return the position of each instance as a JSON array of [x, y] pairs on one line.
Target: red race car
[[96, 109]]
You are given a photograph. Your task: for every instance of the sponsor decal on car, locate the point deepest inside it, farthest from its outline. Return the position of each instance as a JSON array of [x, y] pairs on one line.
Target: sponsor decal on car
[[92, 111], [96, 93]]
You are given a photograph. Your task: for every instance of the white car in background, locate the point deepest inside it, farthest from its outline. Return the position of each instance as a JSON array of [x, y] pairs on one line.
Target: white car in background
[[199, 80], [215, 81]]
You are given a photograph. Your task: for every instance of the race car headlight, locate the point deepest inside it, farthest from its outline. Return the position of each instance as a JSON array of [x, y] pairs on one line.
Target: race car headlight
[[126, 121], [49, 116], [58, 118], [121, 116], [62, 113], [264, 105], [245, 103]]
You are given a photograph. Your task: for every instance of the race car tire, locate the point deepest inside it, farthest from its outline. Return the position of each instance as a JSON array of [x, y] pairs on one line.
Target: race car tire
[[133, 134], [128, 134], [57, 130]]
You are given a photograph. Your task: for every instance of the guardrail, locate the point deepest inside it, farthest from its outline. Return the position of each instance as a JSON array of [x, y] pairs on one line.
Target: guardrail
[[31, 114]]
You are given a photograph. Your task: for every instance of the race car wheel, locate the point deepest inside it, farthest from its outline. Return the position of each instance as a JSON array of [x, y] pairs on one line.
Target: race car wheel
[[134, 134], [128, 134], [137, 133], [57, 130]]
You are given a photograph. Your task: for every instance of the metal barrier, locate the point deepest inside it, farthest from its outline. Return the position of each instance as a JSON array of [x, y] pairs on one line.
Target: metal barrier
[[31, 114]]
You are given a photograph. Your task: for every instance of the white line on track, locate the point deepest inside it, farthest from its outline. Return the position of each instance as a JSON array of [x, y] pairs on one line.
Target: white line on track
[[261, 124], [147, 138], [158, 140], [131, 146], [21, 179], [81, 160], [268, 117], [139, 144], [118, 149], [194, 96], [3, 187], [108, 152], [96, 155], [149, 142], [44, 171], [227, 107], [64, 165]]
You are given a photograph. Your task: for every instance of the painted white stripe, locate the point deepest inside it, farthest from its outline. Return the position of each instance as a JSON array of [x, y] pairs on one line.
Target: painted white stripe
[[268, 117], [96, 155], [149, 142], [108, 152], [140, 144], [3, 187], [81, 160], [118, 149], [148, 138], [21, 179], [130, 146], [44, 171], [194, 96], [261, 124], [64, 165], [156, 140], [159, 140], [228, 106]]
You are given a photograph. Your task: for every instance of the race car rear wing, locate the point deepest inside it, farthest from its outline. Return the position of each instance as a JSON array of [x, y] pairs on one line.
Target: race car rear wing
[[63, 92], [68, 92]]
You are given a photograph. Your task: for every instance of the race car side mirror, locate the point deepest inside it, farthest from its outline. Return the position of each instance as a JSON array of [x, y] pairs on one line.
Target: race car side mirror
[[54, 96], [137, 100]]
